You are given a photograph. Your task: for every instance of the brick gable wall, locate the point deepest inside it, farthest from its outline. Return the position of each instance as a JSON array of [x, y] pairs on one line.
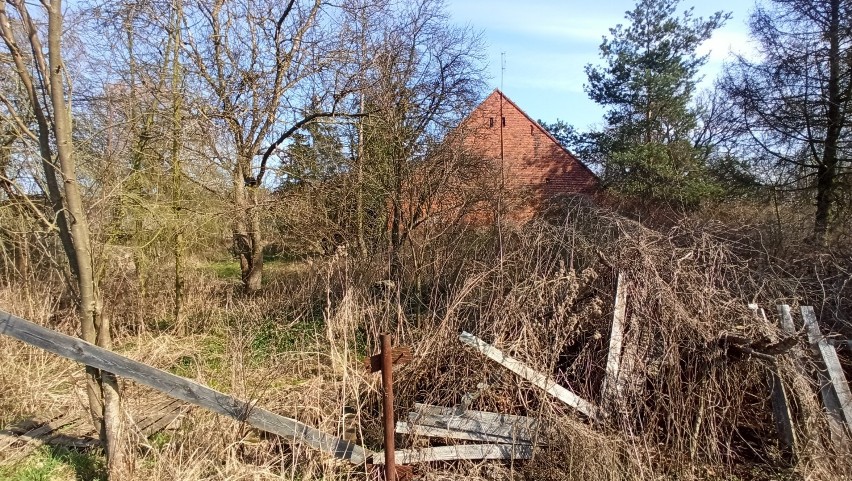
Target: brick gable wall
[[535, 167]]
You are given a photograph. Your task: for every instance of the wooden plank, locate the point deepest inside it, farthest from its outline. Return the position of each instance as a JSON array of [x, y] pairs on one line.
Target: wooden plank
[[829, 356], [35, 438], [153, 414], [787, 324], [506, 433], [632, 373], [469, 424], [452, 433], [481, 416], [399, 355], [454, 453], [178, 387], [160, 423], [609, 391], [73, 441], [802, 383], [781, 413], [536, 378], [40, 431]]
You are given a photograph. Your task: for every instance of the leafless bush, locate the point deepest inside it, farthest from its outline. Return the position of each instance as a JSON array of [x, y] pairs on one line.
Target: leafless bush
[[544, 293]]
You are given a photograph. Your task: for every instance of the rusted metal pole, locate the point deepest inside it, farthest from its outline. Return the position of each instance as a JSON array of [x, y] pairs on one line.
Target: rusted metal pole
[[387, 405]]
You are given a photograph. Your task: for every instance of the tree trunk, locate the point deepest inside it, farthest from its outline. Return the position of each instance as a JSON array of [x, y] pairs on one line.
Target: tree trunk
[[254, 276], [248, 239], [21, 249], [44, 141], [67, 202], [177, 172], [827, 171], [94, 327]]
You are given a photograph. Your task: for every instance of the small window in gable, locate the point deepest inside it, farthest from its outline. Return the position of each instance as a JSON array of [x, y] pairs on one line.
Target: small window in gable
[[504, 121], [490, 122]]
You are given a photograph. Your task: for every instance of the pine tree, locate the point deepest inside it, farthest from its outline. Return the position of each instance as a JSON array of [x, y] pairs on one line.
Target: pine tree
[[647, 83]]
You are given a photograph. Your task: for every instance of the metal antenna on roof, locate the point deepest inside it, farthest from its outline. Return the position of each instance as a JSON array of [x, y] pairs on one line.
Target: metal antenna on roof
[[502, 68], [502, 164]]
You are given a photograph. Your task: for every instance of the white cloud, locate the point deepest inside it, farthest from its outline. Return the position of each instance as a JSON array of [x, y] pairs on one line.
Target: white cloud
[[533, 18], [548, 43], [727, 41]]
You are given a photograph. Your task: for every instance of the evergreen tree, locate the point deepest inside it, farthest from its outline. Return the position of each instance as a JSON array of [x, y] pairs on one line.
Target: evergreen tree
[[795, 101], [647, 83]]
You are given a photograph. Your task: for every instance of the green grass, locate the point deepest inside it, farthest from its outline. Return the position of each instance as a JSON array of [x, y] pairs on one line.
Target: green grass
[[52, 463], [273, 266], [210, 360], [272, 337], [229, 269], [160, 439]]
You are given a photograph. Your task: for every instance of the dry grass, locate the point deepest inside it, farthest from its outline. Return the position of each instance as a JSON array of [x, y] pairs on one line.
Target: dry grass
[[696, 411]]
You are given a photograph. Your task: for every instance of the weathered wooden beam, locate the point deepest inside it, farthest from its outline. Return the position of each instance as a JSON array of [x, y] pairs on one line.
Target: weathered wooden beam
[[834, 370], [35, 438], [454, 433], [452, 453], [632, 371], [481, 416], [609, 390], [802, 382], [479, 425], [536, 378], [781, 413], [7, 439], [787, 324], [178, 387]]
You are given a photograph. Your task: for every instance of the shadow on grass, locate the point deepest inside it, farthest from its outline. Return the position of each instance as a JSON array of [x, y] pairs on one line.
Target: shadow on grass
[[87, 465], [57, 462]]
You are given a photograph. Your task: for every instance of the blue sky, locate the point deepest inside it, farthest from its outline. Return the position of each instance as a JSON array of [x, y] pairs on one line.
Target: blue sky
[[549, 42]]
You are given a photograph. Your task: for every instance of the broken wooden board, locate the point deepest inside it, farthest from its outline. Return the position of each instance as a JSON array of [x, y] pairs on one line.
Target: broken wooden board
[[482, 416], [802, 385], [399, 355], [158, 420], [834, 371], [609, 391], [536, 378], [72, 431], [781, 413], [179, 388], [455, 453], [438, 421], [634, 369], [33, 438], [8, 437], [403, 427]]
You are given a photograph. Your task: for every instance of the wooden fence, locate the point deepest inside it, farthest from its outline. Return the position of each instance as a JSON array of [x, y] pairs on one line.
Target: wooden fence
[[179, 388], [510, 436]]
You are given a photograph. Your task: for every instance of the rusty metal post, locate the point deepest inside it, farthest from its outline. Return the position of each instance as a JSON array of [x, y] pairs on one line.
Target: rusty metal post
[[387, 405]]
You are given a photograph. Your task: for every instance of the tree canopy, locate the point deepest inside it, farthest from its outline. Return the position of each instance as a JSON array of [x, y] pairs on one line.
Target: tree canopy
[[793, 101], [647, 82]]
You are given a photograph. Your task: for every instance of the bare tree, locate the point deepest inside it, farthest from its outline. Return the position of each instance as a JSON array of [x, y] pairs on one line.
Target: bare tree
[[257, 60], [47, 93], [425, 75], [794, 102]]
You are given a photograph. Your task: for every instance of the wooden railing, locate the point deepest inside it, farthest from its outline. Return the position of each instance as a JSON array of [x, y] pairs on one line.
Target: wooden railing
[[179, 388]]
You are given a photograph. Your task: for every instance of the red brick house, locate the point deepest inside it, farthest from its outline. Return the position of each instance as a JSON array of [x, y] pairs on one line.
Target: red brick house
[[531, 165]]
